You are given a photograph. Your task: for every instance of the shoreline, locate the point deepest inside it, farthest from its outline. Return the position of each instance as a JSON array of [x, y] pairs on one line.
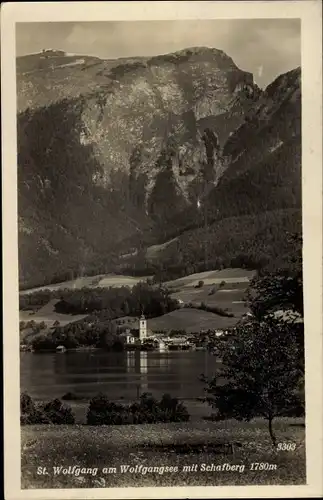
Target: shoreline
[[126, 349]]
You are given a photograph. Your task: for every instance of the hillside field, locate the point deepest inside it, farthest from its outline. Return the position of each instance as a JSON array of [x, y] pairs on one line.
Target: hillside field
[[214, 277], [229, 297], [100, 280], [154, 251], [190, 320], [48, 315]]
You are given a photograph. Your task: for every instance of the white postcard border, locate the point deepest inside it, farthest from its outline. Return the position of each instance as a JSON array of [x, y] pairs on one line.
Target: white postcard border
[[310, 13]]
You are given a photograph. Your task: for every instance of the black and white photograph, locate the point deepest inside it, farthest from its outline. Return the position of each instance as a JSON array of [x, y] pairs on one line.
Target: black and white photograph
[[161, 234]]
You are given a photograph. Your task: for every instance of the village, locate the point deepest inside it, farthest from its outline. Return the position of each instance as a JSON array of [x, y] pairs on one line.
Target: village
[[199, 311], [143, 338], [134, 335]]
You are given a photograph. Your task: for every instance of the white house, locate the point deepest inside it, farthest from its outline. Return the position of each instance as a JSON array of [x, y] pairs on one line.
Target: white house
[[128, 337]]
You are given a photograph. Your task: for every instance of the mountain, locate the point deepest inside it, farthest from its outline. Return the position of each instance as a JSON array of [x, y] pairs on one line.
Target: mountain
[[116, 155], [257, 200], [265, 153]]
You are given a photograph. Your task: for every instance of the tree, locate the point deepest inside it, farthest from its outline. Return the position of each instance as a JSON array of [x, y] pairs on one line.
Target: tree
[[126, 308], [276, 291], [282, 289], [43, 341], [262, 373]]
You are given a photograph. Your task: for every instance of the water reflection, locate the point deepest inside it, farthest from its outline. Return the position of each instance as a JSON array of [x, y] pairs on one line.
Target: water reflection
[[159, 361], [143, 370], [131, 361], [125, 374]]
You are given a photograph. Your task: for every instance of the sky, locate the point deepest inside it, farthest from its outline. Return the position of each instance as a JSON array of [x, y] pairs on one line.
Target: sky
[[264, 47]]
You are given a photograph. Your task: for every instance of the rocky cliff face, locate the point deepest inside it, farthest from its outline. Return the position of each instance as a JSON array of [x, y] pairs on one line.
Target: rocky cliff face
[[116, 154], [264, 153], [257, 201], [129, 103]]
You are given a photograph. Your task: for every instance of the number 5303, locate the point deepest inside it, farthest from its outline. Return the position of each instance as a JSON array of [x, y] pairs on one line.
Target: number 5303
[[286, 446]]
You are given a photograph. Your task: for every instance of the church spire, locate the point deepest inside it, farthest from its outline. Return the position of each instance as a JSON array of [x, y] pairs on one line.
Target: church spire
[[142, 328]]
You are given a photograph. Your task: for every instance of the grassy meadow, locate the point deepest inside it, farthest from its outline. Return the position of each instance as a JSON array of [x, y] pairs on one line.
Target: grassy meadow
[[213, 277], [190, 320], [175, 445], [48, 315]]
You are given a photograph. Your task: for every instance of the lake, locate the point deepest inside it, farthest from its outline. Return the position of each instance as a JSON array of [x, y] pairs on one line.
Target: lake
[[118, 375]]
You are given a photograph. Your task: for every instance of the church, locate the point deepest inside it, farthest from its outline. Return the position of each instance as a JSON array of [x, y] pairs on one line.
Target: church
[[141, 332]]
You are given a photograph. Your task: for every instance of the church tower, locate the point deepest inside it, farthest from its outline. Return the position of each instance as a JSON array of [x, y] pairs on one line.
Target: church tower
[[142, 328]]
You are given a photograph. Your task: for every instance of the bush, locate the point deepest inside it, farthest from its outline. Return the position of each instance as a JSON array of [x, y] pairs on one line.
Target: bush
[[35, 418], [29, 412], [53, 412], [103, 412], [58, 413], [148, 410], [215, 310], [26, 403], [175, 410]]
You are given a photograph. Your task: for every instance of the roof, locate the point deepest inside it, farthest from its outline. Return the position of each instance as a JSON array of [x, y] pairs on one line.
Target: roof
[[178, 340]]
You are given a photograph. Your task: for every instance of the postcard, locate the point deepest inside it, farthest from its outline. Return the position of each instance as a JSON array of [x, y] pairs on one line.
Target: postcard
[[162, 249]]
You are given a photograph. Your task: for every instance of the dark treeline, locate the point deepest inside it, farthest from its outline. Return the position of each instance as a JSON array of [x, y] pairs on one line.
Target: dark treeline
[[143, 298], [37, 299], [78, 334]]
